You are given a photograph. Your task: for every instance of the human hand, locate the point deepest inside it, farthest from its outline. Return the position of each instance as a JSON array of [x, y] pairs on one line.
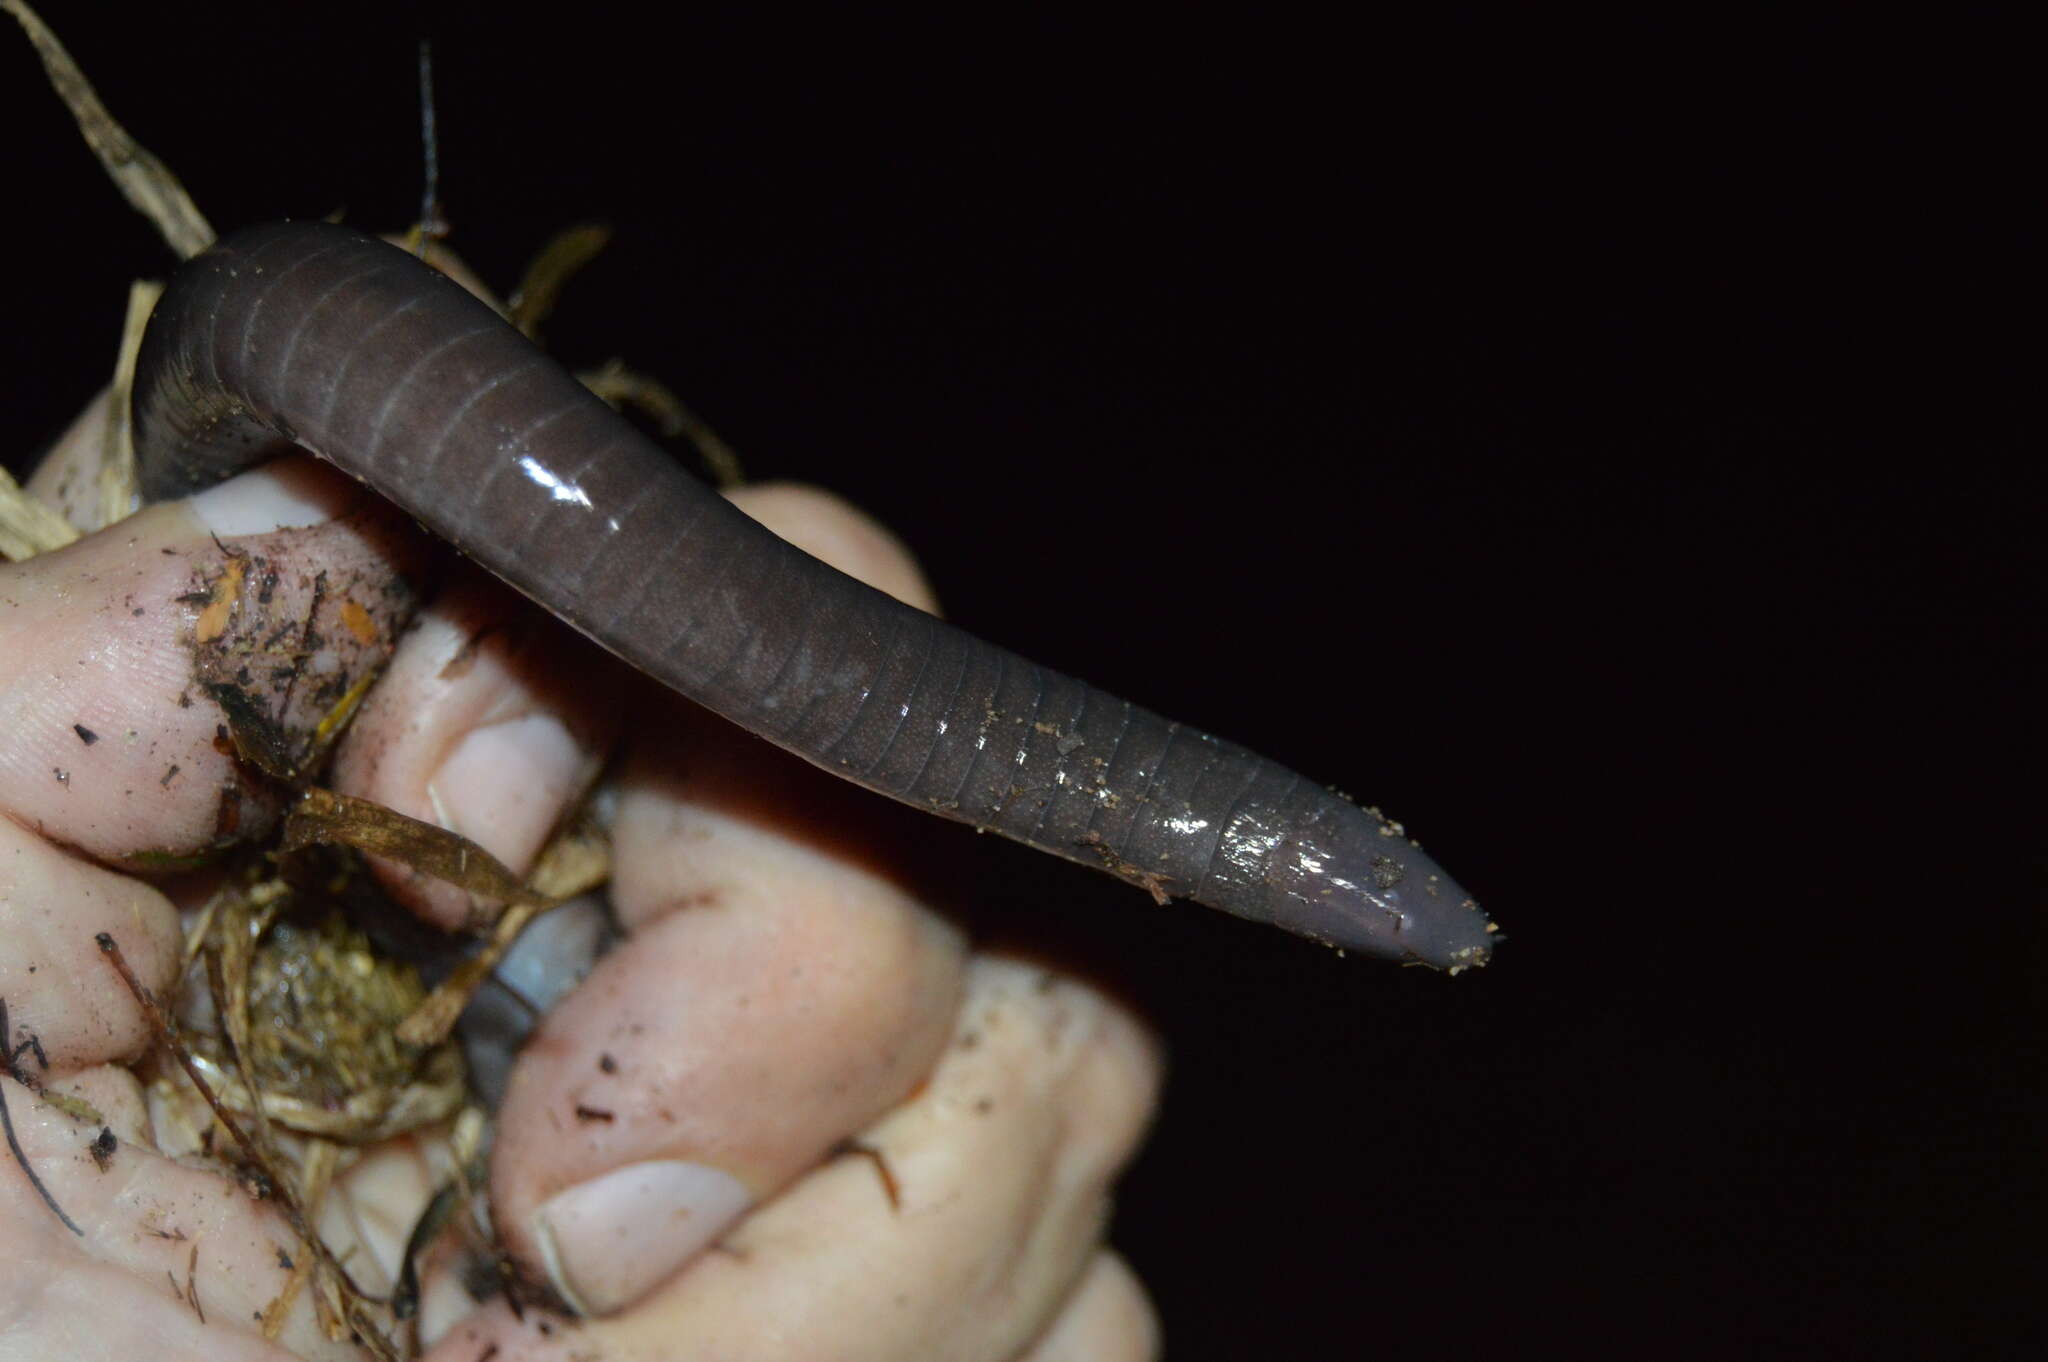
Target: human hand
[[780, 994]]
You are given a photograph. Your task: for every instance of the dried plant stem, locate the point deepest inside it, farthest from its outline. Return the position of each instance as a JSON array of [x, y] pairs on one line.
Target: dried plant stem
[[365, 1328], [146, 182]]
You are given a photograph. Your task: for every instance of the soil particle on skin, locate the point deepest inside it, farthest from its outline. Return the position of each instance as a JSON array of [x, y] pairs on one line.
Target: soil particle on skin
[[290, 628], [102, 1148]]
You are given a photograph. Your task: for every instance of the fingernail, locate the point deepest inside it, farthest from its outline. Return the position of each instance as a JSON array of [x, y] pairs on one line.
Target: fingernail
[[505, 785], [285, 494], [443, 1305], [606, 1241]]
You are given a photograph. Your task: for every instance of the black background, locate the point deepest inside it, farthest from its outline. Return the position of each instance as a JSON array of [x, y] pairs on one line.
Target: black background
[[1598, 445]]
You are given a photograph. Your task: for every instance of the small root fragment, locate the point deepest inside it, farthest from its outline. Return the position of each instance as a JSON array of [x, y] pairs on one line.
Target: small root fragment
[[9, 1057], [863, 1150]]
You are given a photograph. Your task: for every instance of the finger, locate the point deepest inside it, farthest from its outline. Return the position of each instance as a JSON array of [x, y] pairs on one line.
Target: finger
[[54, 980], [780, 991], [826, 526], [1108, 1318], [166, 1260], [118, 657], [67, 478], [115, 1094], [491, 721], [125, 652], [774, 997], [1001, 1166]]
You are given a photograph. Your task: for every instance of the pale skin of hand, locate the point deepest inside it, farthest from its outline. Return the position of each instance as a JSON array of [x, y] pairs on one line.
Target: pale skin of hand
[[779, 994]]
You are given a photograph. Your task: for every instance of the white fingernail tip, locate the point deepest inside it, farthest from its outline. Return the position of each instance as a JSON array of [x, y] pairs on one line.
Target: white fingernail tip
[[286, 494], [605, 1242], [505, 785], [443, 1305]]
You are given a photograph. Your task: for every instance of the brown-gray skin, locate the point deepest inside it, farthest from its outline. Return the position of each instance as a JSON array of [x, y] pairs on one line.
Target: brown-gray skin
[[320, 336]]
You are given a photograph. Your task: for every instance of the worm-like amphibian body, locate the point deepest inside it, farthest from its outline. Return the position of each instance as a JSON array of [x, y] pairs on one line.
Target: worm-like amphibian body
[[323, 337]]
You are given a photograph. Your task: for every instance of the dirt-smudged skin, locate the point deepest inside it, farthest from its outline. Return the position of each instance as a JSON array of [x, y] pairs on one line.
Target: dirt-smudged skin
[[318, 335], [178, 617], [292, 627]]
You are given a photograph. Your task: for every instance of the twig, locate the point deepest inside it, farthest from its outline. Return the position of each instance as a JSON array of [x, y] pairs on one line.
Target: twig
[[7, 1120]]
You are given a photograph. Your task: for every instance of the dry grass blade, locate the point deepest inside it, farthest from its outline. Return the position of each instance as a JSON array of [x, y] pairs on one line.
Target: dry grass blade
[[568, 251], [227, 972], [119, 484], [148, 185], [27, 527], [433, 1019], [275, 1313], [322, 817], [577, 860], [334, 1285], [623, 387]]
